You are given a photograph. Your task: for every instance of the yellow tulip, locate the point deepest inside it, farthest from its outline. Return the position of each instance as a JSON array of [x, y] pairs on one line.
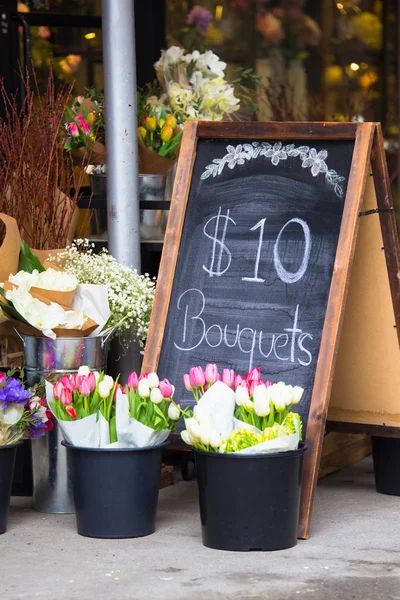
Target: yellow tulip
[[161, 123], [90, 118], [171, 121], [166, 133], [150, 123], [142, 132]]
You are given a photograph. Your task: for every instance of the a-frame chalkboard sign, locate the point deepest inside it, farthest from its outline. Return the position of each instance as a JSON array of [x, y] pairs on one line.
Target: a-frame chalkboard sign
[[257, 258]]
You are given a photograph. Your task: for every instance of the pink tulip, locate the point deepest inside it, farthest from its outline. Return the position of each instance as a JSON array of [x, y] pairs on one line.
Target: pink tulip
[[73, 129], [143, 376], [237, 381], [84, 386], [91, 378], [196, 376], [253, 375], [186, 382], [228, 376], [67, 383], [133, 380], [74, 381], [66, 397], [57, 389], [83, 124], [2, 377], [166, 388], [211, 373], [267, 383]]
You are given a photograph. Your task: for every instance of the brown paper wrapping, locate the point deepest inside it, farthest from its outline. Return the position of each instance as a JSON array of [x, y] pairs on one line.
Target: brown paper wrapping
[[10, 248], [151, 163]]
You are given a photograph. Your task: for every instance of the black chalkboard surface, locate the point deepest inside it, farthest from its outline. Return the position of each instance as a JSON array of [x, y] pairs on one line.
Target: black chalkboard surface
[[256, 259]]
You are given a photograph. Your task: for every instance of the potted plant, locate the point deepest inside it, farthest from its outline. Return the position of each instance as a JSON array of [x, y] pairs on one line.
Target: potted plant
[[114, 438], [23, 415], [248, 457]]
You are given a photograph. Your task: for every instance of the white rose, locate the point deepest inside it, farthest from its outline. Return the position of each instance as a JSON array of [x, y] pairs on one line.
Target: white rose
[[174, 412], [153, 380], [156, 396], [12, 414]]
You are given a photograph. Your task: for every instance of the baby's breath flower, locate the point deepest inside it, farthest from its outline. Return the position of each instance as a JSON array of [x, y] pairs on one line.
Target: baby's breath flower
[[130, 295]]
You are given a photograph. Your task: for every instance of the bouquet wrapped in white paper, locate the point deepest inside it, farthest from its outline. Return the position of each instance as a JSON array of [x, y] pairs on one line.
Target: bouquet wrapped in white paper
[[253, 418], [94, 411]]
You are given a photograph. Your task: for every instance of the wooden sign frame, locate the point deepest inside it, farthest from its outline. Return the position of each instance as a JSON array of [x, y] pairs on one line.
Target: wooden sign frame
[[365, 135]]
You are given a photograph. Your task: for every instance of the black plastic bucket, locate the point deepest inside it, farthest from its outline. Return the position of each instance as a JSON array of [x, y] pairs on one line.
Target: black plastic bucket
[[115, 490], [249, 502], [7, 462], [386, 455]]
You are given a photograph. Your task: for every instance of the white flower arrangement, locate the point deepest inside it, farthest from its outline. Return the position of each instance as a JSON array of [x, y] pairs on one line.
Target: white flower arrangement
[[43, 316], [195, 85], [130, 295], [47, 280]]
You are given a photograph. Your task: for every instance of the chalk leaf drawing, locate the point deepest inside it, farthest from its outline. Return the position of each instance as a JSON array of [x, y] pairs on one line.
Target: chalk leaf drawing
[[310, 159]]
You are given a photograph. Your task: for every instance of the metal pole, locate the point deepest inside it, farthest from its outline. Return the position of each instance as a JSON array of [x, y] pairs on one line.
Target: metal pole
[[121, 130]]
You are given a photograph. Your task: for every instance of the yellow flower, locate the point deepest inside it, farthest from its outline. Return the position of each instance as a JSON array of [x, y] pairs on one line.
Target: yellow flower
[[142, 132], [23, 8], [150, 123], [166, 133], [90, 118]]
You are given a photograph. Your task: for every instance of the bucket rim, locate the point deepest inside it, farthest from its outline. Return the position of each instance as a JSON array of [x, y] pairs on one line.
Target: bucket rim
[[261, 456], [113, 450]]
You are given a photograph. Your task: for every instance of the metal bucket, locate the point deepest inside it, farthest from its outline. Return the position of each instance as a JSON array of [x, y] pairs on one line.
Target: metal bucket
[[52, 488], [153, 222]]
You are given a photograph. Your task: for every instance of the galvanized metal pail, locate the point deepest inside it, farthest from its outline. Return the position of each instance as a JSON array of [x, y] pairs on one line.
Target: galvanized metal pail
[[152, 222], [52, 488]]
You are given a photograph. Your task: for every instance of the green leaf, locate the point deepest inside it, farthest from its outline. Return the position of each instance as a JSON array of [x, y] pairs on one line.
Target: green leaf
[[11, 311], [113, 430], [28, 261]]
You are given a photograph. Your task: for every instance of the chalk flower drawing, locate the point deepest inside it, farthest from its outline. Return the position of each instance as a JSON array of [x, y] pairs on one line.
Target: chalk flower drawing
[[237, 155]]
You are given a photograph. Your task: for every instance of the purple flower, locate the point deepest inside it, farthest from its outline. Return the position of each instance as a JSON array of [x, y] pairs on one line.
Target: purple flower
[[37, 428], [201, 17], [12, 390]]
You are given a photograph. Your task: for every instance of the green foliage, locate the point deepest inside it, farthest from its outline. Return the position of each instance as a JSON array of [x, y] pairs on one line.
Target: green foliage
[[28, 261]]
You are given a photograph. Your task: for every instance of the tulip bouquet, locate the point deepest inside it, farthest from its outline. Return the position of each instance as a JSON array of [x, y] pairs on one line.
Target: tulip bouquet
[[23, 413], [146, 410], [241, 414], [93, 410]]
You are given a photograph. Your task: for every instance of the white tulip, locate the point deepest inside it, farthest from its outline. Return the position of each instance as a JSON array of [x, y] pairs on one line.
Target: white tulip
[[83, 371], [279, 395], [205, 434], [109, 381], [242, 396], [261, 401], [97, 375], [144, 388], [104, 389], [174, 412], [215, 439], [297, 393], [194, 430], [156, 396], [185, 435], [153, 380]]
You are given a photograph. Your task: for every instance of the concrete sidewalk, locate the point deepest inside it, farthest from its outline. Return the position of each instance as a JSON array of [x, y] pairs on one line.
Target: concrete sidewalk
[[353, 553]]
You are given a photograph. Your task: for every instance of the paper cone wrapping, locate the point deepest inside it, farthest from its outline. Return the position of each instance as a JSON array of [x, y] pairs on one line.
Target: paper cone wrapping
[[91, 432], [219, 403], [88, 327], [281, 444], [151, 163], [10, 248], [132, 433], [92, 300]]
